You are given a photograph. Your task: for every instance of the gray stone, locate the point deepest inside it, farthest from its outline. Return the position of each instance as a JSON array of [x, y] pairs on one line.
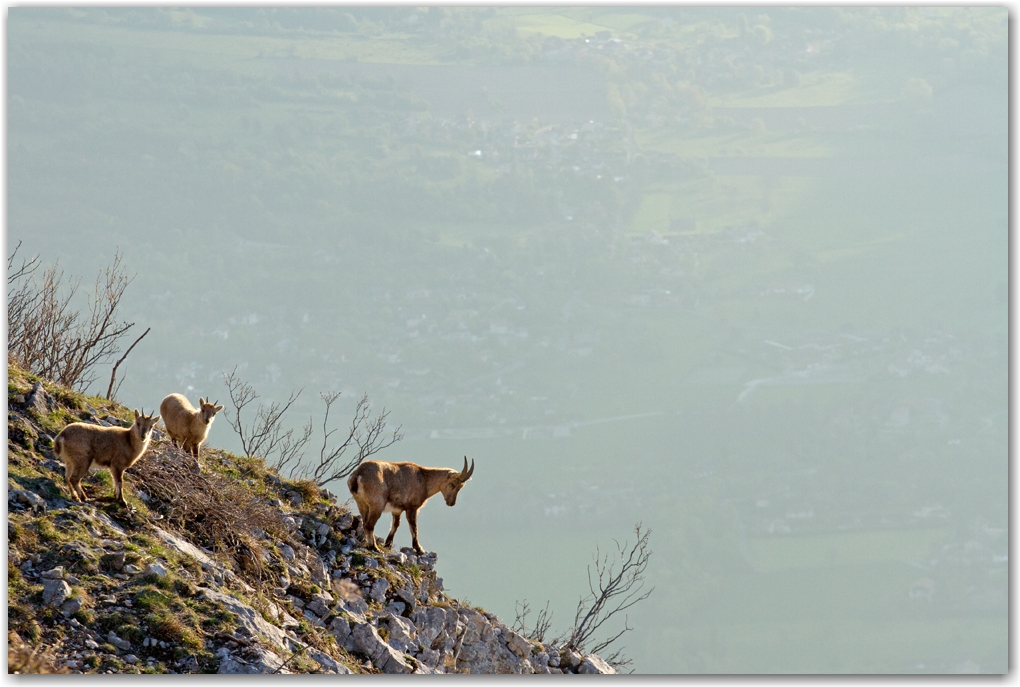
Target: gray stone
[[189, 664], [56, 573], [367, 641], [341, 629], [26, 499], [328, 664], [593, 665], [319, 572], [396, 607], [402, 632], [318, 607], [55, 592], [355, 606], [406, 594], [516, 643], [37, 399], [345, 521], [131, 569], [263, 662], [156, 569], [121, 644], [250, 619], [397, 558], [379, 589], [322, 530], [570, 658], [70, 607], [287, 552], [114, 560], [130, 658]]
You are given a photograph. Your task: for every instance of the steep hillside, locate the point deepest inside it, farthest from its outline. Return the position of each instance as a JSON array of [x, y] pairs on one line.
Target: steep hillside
[[219, 566]]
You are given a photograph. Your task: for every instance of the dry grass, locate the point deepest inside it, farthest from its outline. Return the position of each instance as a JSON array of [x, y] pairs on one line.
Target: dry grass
[[23, 659], [216, 511]]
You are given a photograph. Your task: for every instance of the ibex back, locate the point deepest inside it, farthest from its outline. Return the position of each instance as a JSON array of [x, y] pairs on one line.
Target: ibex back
[[378, 487], [81, 445]]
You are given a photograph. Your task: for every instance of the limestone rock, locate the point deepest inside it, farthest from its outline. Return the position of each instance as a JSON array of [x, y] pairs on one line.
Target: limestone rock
[[379, 589], [402, 631], [516, 643], [118, 642], [367, 641], [261, 661], [593, 665], [70, 607], [55, 592], [250, 619]]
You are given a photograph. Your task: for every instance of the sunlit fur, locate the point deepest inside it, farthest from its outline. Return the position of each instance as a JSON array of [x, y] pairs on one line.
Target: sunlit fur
[[187, 426], [397, 488], [82, 445]]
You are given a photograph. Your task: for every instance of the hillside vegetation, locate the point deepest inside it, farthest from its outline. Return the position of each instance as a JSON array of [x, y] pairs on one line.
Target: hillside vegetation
[[219, 565]]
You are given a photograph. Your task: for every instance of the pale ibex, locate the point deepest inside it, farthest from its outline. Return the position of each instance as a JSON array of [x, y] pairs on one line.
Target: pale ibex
[[187, 426], [81, 445], [378, 487]]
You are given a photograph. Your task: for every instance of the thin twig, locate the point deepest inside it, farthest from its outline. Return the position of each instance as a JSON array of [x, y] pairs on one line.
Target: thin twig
[[113, 375]]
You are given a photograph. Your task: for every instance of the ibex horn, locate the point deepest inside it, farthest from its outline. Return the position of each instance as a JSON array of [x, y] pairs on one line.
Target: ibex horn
[[465, 473]]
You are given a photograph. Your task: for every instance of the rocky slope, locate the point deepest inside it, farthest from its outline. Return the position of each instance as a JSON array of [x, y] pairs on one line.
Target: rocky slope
[[222, 566]]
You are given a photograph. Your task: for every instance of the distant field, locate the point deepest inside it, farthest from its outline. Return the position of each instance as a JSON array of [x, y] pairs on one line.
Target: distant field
[[816, 89], [573, 22]]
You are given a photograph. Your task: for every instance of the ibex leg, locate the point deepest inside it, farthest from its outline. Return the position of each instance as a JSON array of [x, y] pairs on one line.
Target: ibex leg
[[412, 522], [393, 530], [118, 484]]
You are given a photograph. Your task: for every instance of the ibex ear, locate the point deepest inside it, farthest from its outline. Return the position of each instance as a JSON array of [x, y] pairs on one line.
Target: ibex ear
[[201, 401], [218, 408], [155, 419], [137, 414]]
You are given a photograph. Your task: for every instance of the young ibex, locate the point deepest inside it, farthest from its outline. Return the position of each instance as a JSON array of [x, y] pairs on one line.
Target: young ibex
[[187, 426], [80, 445], [380, 487]]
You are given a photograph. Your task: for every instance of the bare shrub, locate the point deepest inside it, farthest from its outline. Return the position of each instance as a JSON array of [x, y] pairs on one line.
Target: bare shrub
[[48, 337], [215, 511], [613, 590], [23, 659], [284, 450], [264, 436], [366, 436], [543, 621]]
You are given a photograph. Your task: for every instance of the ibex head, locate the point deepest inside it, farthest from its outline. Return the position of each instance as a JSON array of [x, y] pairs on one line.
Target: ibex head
[[144, 424], [208, 410], [456, 480]]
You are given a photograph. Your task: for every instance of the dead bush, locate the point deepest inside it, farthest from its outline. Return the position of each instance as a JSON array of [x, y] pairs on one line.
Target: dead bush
[[221, 513], [48, 336], [23, 659]]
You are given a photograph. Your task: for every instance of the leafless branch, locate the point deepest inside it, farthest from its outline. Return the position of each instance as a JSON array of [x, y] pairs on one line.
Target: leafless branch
[[265, 436], [366, 436], [113, 375], [28, 266], [543, 621], [48, 337], [613, 591]]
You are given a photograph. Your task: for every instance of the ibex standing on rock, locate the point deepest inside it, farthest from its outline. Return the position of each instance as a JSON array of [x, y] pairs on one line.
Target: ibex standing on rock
[[187, 426], [80, 445], [380, 487]]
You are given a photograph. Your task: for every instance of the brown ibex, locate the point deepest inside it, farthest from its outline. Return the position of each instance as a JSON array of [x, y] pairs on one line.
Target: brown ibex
[[378, 487], [187, 426], [80, 445]]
